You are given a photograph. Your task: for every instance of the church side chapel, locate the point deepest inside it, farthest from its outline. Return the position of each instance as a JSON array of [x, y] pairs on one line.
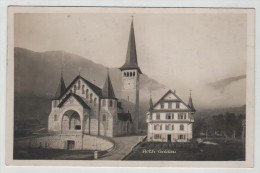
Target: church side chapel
[[84, 108]]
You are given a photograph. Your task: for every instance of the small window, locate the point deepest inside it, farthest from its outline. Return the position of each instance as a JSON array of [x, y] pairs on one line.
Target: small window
[[173, 127], [172, 116], [77, 127], [181, 127], [130, 73], [155, 127], [91, 99], [180, 116], [78, 84], [185, 116], [83, 89], [161, 127], [133, 73], [104, 118], [167, 127], [177, 105], [124, 74], [162, 105], [168, 116], [95, 101], [170, 105], [127, 74], [158, 116], [111, 103], [87, 94], [181, 136], [104, 103], [157, 136]]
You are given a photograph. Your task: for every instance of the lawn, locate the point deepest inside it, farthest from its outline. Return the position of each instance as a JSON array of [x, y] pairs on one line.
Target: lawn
[[224, 150]]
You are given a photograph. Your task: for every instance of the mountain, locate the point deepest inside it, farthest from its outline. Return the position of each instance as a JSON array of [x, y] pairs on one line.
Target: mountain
[[37, 74]]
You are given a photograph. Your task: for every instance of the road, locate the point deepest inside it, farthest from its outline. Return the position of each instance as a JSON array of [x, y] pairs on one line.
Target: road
[[124, 145]]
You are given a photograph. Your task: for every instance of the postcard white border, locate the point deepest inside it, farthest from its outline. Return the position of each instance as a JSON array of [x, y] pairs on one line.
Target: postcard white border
[[107, 163]]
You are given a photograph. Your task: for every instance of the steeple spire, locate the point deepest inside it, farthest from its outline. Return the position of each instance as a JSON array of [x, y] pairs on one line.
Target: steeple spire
[[191, 104], [61, 88], [151, 102], [131, 56], [108, 91]]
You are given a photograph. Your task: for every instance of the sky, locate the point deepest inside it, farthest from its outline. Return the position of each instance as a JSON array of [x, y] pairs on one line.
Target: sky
[[202, 52]]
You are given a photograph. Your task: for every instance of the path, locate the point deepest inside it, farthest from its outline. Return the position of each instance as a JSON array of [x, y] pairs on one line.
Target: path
[[124, 145]]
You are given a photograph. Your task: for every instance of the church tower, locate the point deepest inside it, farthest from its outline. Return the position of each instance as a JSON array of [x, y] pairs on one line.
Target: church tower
[[130, 79]]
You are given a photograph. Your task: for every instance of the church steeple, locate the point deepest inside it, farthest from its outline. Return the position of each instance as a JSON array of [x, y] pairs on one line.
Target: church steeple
[[108, 91], [151, 102], [61, 88], [191, 104], [131, 56]]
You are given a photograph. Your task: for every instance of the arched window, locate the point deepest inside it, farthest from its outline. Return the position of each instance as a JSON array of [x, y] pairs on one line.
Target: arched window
[[91, 99], [75, 88], [78, 84], [130, 73], [133, 73], [111, 103], [104, 117], [95, 101], [127, 74], [104, 102], [124, 74], [55, 117], [83, 89], [181, 127], [87, 94]]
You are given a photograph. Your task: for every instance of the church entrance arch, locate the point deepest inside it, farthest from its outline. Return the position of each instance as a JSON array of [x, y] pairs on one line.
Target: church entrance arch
[[70, 121]]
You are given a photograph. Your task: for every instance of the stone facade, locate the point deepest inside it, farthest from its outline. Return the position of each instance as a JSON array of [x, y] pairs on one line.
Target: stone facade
[[170, 119]]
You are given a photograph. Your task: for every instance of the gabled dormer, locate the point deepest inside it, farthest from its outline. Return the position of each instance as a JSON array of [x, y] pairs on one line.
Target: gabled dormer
[[172, 102]]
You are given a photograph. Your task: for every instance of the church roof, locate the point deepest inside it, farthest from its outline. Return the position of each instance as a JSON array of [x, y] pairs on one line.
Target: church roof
[[107, 91], [61, 88], [191, 105], [131, 56], [77, 97], [95, 88], [124, 117]]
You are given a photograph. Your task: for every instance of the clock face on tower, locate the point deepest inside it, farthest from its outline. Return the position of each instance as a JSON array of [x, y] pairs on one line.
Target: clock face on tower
[[129, 83]]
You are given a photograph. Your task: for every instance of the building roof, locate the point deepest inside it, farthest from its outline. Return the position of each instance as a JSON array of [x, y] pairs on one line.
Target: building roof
[[77, 97], [131, 55], [108, 91], [61, 88], [178, 98], [191, 105], [124, 117], [95, 88]]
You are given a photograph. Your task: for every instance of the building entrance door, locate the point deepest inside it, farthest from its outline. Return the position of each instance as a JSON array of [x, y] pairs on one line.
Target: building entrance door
[[169, 138], [70, 145]]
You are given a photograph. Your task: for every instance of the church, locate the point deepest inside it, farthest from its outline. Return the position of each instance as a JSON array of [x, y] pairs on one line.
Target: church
[[84, 108]]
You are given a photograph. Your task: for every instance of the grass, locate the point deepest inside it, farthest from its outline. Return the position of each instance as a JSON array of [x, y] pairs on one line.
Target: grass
[[226, 149]]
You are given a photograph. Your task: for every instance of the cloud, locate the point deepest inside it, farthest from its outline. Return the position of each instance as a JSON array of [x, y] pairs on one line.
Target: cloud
[[223, 83]]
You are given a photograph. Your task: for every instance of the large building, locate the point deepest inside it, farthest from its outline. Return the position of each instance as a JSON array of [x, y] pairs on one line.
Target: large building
[[170, 119], [84, 108]]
